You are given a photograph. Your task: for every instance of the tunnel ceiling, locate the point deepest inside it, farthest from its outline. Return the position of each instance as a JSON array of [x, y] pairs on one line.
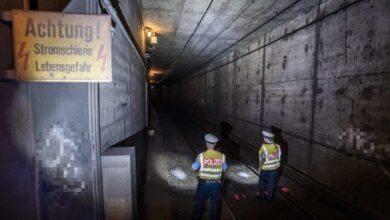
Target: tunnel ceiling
[[193, 32]]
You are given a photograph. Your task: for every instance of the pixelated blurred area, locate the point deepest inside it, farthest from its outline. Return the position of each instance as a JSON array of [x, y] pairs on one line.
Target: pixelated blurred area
[[62, 163], [362, 142]]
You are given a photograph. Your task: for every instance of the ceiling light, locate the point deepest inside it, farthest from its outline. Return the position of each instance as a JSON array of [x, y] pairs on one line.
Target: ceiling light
[[153, 40]]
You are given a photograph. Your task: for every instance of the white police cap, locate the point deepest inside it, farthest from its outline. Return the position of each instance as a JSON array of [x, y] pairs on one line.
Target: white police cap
[[268, 134], [210, 138]]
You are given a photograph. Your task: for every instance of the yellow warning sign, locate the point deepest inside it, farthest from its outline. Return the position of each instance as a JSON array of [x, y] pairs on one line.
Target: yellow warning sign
[[58, 47]]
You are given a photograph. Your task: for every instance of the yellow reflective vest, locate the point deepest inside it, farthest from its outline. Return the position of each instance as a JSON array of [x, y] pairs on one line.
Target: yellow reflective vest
[[272, 154], [211, 165]]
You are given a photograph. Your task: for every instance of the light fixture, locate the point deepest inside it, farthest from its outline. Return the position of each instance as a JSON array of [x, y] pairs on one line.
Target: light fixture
[[148, 33], [153, 40]]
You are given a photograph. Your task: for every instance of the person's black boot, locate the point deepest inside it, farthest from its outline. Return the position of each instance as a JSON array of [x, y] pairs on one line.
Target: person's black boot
[[261, 198]]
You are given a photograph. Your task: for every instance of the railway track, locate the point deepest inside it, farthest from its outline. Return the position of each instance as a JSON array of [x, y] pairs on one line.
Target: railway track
[[333, 207], [195, 153], [231, 210]]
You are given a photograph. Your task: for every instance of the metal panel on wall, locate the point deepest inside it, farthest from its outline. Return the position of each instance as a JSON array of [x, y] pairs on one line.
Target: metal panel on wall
[[119, 183], [65, 150]]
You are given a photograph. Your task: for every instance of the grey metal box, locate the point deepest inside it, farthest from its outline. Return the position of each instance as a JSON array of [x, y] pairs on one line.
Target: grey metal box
[[119, 183]]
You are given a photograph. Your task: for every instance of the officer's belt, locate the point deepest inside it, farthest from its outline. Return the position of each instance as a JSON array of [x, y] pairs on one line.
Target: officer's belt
[[209, 181]]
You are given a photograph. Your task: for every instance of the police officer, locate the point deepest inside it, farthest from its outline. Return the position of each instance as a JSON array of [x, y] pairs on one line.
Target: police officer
[[210, 164], [269, 162]]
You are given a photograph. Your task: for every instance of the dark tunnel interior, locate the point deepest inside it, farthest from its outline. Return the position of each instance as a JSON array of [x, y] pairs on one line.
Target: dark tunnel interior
[[194, 109]]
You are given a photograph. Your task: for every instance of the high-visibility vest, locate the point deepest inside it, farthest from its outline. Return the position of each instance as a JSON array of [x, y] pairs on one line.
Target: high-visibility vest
[[211, 165], [273, 154]]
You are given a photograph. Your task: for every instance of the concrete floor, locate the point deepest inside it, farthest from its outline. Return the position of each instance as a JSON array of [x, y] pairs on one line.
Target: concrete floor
[[171, 185], [303, 197]]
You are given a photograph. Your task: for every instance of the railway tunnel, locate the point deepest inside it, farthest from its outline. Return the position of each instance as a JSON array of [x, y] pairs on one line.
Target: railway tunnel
[[105, 105]]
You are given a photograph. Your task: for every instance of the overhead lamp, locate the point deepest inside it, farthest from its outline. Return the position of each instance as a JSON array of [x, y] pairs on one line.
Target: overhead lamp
[[148, 33], [153, 40]]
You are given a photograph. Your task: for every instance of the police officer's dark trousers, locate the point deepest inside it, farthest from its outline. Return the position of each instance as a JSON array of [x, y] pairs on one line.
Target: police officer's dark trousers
[[271, 176], [207, 189]]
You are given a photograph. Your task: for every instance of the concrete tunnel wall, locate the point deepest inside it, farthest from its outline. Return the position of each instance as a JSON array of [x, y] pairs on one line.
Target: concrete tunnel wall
[[88, 116], [123, 101], [323, 78]]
